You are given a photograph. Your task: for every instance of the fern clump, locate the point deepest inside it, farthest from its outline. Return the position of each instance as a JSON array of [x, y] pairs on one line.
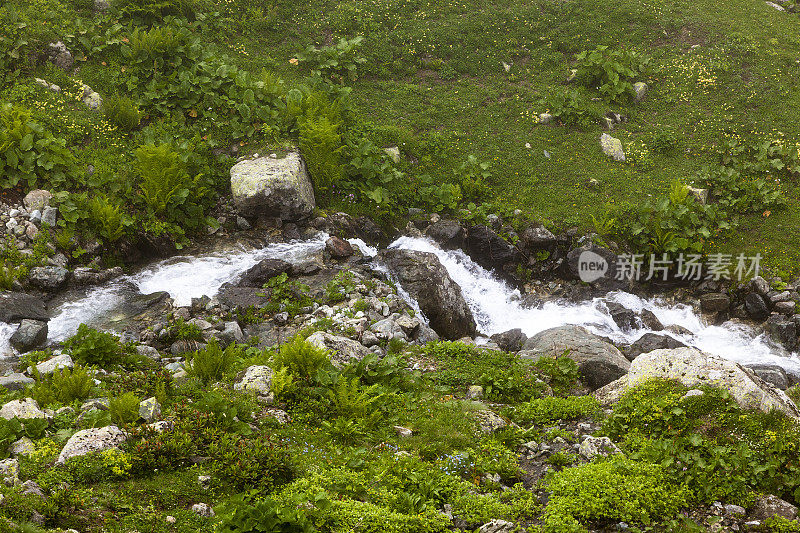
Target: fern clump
[[302, 360], [122, 112], [62, 386], [124, 409], [212, 362]]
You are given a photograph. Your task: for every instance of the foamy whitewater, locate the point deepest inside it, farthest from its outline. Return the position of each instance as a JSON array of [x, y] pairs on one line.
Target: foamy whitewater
[[496, 308], [495, 305]]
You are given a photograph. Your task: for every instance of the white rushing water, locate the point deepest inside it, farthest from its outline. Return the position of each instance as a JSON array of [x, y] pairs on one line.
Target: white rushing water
[[497, 308], [183, 277]]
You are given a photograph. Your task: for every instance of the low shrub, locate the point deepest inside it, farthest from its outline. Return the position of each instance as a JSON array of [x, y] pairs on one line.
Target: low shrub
[[63, 386], [543, 411], [124, 409], [618, 490], [303, 360], [611, 72], [122, 112], [212, 362], [92, 347]]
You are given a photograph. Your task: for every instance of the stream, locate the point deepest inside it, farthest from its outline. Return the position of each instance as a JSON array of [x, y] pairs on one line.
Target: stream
[[497, 307]]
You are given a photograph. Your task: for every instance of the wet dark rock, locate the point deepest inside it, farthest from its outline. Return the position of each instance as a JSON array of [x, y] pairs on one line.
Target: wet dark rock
[[650, 320], [262, 272], [755, 306], [488, 249], [783, 330], [622, 316], [448, 233], [338, 248], [715, 302], [16, 306], [771, 374], [439, 297], [574, 257], [49, 278], [649, 342], [30, 334], [511, 340]]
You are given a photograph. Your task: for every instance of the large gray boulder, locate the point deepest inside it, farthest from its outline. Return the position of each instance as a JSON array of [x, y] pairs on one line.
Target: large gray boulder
[[22, 409], [49, 278], [599, 362], [341, 349], [691, 367], [91, 440], [256, 378], [439, 297], [30, 334], [16, 306], [273, 187]]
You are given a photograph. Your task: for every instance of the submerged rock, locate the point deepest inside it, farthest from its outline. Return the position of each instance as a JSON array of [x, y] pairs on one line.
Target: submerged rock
[[30, 334], [273, 187]]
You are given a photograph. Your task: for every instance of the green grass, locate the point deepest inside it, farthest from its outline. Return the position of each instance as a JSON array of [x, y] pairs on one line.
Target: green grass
[[434, 83]]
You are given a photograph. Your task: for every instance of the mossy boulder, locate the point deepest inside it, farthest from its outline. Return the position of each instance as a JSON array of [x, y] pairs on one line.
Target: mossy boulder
[[273, 187]]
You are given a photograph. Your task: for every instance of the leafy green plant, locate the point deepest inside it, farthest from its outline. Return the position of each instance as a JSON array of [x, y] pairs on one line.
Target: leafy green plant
[[243, 514], [561, 373], [572, 108], [611, 72], [286, 295], [212, 362], [334, 62], [618, 490], [124, 409], [92, 347], [29, 153], [122, 112], [340, 286], [321, 145], [550, 409]]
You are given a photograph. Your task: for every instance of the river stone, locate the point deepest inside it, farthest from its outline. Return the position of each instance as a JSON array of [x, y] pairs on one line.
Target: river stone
[[48, 278], [489, 421], [511, 340], [55, 363], [448, 233], [497, 526], [16, 306], [649, 342], [769, 506], [772, 374], [16, 381], [599, 362], [650, 320], [273, 187], [622, 316], [755, 306], [640, 88], [338, 248], [612, 147], [592, 447], [692, 367], [341, 349], [230, 333], [91, 440], [29, 335], [22, 409], [255, 378], [37, 199], [439, 297], [149, 410], [576, 256], [537, 237], [489, 249], [714, 302], [262, 272]]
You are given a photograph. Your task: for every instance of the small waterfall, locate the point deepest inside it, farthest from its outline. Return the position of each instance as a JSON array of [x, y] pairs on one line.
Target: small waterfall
[[6, 330], [497, 308]]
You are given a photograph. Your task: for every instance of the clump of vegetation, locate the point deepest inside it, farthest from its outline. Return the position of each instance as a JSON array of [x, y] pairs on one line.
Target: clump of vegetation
[[212, 362], [122, 112], [92, 347], [611, 72]]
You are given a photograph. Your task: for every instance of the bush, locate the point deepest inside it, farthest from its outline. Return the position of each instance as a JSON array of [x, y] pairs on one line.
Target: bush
[[334, 62], [543, 411], [212, 362], [124, 409], [571, 108], [91, 347], [619, 490], [321, 145], [250, 463], [242, 515], [122, 112]]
